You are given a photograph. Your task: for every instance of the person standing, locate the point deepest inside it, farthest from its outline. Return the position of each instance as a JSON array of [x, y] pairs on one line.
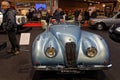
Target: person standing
[[56, 15], [29, 15], [61, 12], [76, 14], [10, 26], [48, 16], [86, 15], [80, 18]]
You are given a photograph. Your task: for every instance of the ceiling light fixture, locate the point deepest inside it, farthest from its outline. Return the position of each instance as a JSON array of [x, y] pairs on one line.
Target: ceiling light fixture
[[85, 0], [103, 5], [118, 0]]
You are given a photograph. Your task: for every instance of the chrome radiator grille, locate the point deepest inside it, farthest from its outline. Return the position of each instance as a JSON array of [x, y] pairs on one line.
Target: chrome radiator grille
[[70, 49]]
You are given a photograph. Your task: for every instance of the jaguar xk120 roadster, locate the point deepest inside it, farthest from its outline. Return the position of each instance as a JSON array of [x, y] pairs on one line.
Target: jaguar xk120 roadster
[[65, 47]]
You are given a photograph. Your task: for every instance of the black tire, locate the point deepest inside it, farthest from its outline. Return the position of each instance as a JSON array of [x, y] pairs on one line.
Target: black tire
[[115, 31], [114, 37], [100, 26]]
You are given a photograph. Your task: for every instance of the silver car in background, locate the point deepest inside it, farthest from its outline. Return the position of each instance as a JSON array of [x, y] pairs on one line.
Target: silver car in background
[[67, 48], [104, 23]]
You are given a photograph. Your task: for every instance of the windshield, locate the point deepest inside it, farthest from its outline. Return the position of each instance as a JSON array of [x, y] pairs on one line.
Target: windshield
[[67, 22]]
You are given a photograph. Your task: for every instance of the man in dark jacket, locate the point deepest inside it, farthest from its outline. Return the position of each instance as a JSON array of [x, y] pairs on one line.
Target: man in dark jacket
[[10, 26], [56, 15], [76, 14], [48, 16]]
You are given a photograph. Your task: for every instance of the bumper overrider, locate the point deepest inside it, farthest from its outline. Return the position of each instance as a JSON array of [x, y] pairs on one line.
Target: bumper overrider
[[72, 69]]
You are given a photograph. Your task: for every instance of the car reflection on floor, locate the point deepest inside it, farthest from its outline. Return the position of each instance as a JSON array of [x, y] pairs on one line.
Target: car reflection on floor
[[86, 75]]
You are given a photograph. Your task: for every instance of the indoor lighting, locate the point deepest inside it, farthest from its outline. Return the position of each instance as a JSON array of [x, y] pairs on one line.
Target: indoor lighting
[[103, 5], [118, 0]]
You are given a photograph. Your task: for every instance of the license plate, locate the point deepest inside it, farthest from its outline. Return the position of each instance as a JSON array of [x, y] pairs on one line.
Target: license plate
[[70, 71]]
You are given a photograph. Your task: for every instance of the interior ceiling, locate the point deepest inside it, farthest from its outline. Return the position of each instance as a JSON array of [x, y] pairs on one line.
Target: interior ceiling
[[106, 0], [72, 0], [97, 0]]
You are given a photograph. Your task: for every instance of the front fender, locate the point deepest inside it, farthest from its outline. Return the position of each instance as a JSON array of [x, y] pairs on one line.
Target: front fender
[[41, 43], [92, 40]]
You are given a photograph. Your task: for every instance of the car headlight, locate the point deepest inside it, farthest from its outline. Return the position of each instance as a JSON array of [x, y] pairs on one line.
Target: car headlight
[[50, 52], [118, 29], [91, 52]]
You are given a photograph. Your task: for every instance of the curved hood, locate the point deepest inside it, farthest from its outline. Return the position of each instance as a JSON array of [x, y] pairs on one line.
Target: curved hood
[[66, 33]]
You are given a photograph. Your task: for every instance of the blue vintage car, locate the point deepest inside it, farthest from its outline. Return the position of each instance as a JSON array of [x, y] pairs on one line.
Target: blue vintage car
[[65, 47]]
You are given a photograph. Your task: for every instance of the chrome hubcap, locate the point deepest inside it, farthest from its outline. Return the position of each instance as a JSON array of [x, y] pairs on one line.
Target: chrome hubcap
[[99, 27]]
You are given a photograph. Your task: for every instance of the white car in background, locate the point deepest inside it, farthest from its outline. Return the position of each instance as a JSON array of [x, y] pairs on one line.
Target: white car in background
[[20, 20]]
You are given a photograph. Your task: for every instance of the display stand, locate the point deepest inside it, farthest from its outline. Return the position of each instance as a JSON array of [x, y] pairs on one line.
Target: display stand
[[24, 41]]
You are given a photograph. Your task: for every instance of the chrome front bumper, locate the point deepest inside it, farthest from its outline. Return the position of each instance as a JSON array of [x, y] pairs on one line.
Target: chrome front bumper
[[67, 69]]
